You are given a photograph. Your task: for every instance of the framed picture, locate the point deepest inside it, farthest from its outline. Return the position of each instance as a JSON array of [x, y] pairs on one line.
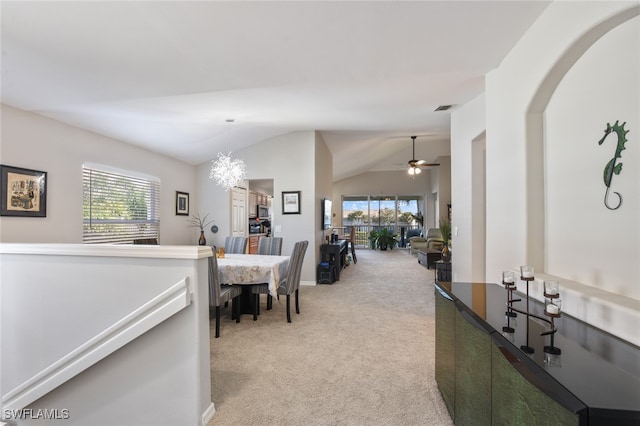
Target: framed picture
[[23, 192], [290, 202], [182, 203]]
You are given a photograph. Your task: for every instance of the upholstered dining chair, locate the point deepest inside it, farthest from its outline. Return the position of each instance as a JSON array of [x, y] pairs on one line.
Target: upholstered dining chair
[[221, 293], [235, 245], [270, 246], [266, 246], [291, 283]]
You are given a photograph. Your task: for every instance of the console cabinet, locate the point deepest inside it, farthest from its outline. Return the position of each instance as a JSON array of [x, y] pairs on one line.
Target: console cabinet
[[486, 379]]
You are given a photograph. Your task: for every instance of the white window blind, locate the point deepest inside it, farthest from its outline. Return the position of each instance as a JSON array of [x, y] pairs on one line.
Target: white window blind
[[119, 208]]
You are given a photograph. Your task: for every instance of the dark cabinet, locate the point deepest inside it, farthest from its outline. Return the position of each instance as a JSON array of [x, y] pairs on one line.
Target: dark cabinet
[[336, 255], [486, 379], [443, 271]]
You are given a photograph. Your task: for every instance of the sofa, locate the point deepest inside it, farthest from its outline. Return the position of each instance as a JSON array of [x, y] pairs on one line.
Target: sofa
[[431, 241]]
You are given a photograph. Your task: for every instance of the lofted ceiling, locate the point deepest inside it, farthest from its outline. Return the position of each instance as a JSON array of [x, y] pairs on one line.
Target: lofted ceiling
[[167, 75]]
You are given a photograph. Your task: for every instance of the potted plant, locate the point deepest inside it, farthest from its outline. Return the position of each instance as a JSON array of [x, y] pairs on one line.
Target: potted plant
[[445, 230], [201, 223], [386, 239], [418, 218], [373, 238]]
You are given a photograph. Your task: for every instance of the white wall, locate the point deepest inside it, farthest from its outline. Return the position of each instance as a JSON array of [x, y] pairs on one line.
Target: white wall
[[516, 97], [94, 328], [290, 161], [467, 124], [35, 142], [441, 186], [324, 188], [584, 239]]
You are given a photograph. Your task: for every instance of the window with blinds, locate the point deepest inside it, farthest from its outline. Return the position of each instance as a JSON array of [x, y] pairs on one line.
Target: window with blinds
[[118, 208]]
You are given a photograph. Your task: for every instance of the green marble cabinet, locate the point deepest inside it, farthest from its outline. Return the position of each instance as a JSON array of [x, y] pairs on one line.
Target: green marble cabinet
[[473, 372], [484, 380], [445, 350]]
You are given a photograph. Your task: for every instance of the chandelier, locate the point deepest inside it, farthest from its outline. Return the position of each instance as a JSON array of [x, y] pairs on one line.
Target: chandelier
[[227, 172]]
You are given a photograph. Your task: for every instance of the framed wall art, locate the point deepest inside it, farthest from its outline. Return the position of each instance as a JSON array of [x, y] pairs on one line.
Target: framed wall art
[[290, 202], [23, 192], [182, 203]]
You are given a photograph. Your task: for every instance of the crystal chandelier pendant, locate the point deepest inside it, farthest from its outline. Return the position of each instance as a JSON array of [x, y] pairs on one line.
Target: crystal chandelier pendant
[[227, 172]]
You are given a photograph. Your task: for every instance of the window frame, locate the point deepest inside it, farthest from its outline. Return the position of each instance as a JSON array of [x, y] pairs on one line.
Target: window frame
[[119, 206]]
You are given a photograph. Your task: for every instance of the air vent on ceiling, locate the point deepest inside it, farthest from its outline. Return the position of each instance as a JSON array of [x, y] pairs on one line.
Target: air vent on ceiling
[[443, 108]]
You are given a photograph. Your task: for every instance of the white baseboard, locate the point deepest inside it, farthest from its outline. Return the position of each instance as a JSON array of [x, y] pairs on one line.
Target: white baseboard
[[207, 415]]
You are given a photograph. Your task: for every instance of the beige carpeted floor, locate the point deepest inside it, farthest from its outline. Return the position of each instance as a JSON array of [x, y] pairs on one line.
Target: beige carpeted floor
[[361, 352]]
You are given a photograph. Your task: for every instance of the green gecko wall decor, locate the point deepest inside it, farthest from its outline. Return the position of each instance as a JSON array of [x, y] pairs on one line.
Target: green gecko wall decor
[[612, 167]]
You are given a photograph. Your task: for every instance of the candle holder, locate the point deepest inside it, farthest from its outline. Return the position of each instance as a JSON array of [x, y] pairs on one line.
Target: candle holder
[[526, 275], [509, 282], [552, 309], [552, 360]]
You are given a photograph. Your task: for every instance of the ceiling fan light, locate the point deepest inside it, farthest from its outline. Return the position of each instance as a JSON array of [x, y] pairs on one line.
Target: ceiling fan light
[[417, 170]]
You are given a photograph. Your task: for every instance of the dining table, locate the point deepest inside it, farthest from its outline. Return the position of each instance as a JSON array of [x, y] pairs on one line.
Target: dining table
[[250, 269]]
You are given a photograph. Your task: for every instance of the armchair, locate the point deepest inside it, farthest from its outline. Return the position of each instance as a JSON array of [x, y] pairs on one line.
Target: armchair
[[431, 241]]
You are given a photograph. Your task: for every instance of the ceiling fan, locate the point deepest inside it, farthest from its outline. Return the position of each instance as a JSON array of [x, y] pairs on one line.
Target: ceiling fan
[[416, 165]]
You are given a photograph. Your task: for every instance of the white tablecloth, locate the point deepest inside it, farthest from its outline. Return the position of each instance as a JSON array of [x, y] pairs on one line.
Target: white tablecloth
[[253, 269]]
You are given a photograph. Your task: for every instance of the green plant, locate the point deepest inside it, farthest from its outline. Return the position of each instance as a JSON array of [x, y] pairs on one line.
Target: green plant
[[373, 238], [445, 230], [386, 239], [418, 218]]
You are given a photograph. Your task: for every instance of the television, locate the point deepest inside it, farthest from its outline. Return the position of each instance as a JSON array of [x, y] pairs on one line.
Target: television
[[326, 214]]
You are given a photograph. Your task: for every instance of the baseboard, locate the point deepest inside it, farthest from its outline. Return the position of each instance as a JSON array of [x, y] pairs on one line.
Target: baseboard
[[208, 414], [307, 282]]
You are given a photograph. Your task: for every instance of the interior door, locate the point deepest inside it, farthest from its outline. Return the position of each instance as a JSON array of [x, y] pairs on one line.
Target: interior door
[[239, 217]]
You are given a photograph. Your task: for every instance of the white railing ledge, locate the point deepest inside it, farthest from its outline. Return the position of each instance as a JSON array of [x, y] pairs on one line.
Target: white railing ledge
[[109, 250], [614, 313]]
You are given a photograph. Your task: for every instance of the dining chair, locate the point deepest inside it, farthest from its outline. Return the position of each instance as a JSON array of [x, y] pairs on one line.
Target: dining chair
[[266, 246], [291, 283], [235, 245], [270, 246], [352, 244], [221, 293]]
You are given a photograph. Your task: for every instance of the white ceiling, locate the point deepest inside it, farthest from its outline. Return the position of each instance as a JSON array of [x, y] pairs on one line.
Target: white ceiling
[[166, 75]]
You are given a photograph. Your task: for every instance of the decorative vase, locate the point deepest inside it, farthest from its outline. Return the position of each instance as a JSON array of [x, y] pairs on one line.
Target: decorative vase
[[446, 253], [202, 241]]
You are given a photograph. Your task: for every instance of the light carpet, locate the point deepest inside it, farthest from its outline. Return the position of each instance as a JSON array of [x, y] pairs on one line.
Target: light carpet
[[361, 352]]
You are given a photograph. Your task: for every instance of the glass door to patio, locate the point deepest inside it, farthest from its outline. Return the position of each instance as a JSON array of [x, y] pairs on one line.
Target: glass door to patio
[[367, 213]]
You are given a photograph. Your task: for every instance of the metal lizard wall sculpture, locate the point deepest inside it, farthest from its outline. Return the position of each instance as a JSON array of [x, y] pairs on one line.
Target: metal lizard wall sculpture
[[612, 168]]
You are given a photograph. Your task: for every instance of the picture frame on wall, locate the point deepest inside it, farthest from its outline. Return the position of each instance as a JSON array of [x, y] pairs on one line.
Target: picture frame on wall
[[290, 202], [23, 192], [182, 203]]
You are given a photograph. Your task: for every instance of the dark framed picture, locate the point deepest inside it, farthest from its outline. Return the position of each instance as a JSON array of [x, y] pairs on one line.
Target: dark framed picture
[[290, 202], [23, 192], [182, 203]]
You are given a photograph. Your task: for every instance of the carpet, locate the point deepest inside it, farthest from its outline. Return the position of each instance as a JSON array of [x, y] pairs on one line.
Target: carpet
[[361, 352]]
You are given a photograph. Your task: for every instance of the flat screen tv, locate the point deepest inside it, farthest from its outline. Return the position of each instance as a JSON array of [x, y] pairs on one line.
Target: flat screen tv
[[326, 214]]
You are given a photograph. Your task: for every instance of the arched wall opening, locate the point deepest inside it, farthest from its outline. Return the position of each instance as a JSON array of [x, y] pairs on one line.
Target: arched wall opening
[[543, 160]]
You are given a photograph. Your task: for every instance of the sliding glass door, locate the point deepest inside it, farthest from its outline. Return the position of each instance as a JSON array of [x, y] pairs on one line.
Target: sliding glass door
[[367, 213]]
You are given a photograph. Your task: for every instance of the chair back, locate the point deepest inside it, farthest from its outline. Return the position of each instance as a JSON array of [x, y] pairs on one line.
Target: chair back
[[235, 245], [292, 281], [270, 246], [146, 241], [433, 233], [214, 281]]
